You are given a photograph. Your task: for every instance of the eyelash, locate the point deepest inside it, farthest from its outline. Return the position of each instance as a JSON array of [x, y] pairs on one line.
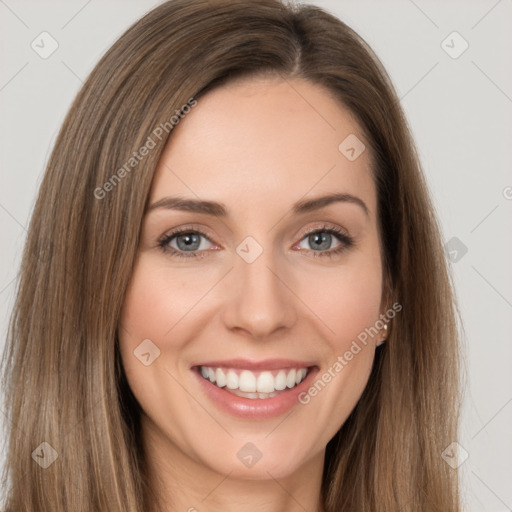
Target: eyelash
[[346, 242]]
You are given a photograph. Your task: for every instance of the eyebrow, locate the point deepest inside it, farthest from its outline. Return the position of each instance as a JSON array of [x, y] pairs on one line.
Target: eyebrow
[[219, 209]]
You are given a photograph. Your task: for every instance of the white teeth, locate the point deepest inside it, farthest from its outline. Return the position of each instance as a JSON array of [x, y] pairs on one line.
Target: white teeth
[[290, 379], [220, 378], [280, 382], [254, 385], [265, 383], [247, 382], [231, 380]]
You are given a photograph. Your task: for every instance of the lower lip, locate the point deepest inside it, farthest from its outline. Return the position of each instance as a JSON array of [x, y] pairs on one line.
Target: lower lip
[[255, 408]]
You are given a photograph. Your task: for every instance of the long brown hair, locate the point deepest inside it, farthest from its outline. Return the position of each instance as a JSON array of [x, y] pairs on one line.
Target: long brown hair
[[64, 382]]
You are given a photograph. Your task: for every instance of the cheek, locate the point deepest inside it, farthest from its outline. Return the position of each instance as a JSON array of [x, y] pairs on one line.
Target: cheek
[[157, 299], [349, 306], [152, 306], [355, 304], [154, 303], [347, 301]]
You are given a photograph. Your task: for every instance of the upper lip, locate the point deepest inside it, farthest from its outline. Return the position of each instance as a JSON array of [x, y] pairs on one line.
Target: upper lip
[[246, 364]]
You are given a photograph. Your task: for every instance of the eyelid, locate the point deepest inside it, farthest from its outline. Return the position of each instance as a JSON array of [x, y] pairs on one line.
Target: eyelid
[[324, 225], [187, 228]]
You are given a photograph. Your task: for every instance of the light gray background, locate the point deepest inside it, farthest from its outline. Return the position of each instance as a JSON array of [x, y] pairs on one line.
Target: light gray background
[[460, 111]]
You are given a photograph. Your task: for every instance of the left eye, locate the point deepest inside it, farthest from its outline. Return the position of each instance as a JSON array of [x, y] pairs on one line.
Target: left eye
[[319, 240]]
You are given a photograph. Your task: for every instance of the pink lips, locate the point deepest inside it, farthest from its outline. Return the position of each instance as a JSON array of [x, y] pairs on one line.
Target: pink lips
[[257, 408]]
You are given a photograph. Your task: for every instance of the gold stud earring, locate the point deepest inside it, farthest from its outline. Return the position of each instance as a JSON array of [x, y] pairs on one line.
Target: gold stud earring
[[381, 342]]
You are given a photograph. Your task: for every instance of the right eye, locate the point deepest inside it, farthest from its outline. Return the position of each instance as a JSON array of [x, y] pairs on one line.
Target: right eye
[[188, 243]]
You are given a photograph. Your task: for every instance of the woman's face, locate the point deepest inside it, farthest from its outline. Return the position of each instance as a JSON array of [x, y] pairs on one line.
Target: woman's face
[[258, 289]]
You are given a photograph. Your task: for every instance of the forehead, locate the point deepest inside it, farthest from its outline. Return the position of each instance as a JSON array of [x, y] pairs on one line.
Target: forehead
[[265, 140]]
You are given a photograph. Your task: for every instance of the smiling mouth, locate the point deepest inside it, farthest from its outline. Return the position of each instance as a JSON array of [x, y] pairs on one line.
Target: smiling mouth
[[254, 384]]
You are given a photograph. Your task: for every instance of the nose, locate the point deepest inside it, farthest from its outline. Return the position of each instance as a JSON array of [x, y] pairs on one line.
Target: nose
[[261, 301]]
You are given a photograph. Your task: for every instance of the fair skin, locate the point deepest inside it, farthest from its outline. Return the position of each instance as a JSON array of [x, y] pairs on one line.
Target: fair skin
[[257, 146]]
